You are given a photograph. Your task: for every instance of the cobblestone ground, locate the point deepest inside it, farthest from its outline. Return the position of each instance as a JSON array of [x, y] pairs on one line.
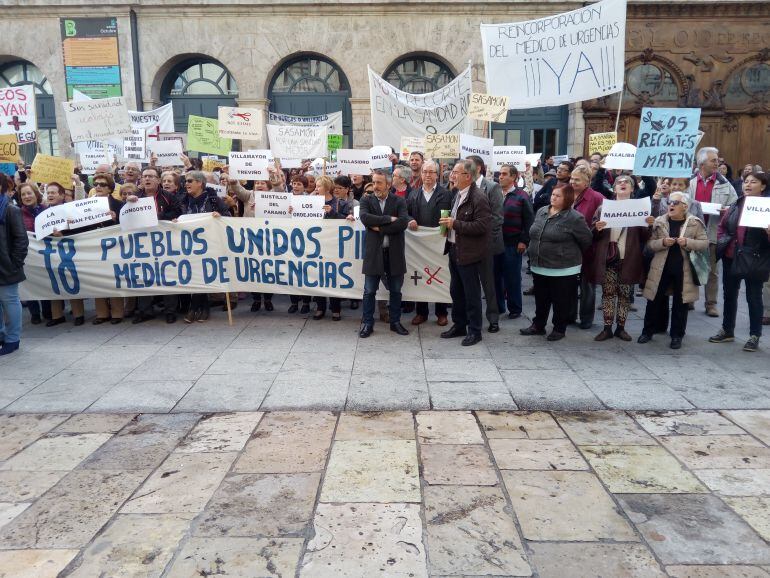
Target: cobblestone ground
[[430, 493]]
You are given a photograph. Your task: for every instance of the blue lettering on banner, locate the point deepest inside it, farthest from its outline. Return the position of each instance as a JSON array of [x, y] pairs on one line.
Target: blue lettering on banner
[[66, 250]]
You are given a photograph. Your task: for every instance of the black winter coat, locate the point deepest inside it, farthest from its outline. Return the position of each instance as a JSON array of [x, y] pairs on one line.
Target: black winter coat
[[13, 247]]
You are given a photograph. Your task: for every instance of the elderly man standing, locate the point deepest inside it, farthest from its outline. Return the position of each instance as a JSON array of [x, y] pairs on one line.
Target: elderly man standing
[[424, 206], [401, 177], [469, 228], [385, 217], [710, 186]]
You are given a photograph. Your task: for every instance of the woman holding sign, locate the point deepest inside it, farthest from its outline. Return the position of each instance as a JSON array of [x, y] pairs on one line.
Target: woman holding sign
[[745, 254]]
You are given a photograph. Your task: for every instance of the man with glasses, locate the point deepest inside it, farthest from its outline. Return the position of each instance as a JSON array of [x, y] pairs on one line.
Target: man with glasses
[[424, 205]]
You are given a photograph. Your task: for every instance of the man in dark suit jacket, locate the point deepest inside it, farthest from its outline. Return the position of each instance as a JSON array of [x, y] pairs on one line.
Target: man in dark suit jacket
[[424, 205], [385, 217]]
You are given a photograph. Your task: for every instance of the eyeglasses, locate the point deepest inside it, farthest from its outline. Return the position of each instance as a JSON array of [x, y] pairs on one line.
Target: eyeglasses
[[101, 185], [190, 181], [429, 172], [676, 203]]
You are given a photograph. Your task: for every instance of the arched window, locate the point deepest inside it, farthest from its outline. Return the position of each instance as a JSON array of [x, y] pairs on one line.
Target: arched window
[[418, 75], [310, 85], [748, 85], [647, 84], [23, 72]]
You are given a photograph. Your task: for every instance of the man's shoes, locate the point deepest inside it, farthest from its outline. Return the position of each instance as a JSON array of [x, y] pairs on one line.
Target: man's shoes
[[765, 321], [691, 307], [305, 309], [398, 328], [454, 331], [203, 315], [721, 337], [555, 336], [752, 344], [604, 335], [256, 306], [419, 319], [676, 343], [530, 291], [493, 328], [100, 320], [471, 339], [293, 308], [586, 324], [644, 338], [191, 316], [620, 333], [54, 322], [514, 315], [116, 321], [79, 321], [9, 347], [366, 331], [532, 330], [269, 306], [712, 311], [319, 314], [442, 321], [141, 318], [170, 318], [36, 320]]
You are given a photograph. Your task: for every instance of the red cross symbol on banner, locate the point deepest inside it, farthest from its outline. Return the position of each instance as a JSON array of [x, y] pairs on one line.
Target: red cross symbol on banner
[[16, 123]]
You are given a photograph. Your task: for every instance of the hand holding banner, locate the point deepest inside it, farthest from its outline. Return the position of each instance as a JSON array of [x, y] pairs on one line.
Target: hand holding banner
[[488, 107], [628, 213], [139, 215]]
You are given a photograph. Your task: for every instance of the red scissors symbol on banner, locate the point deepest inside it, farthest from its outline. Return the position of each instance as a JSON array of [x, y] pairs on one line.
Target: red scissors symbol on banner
[[243, 115], [432, 276]]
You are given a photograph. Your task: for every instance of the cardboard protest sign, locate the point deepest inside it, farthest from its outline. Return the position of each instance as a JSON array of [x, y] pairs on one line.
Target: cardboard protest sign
[[307, 207], [711, 208], [268, 204], [509, 155], [97, 119], [50, 220], [298, 141], [558, 59], [601, 142], [488, 107], [203, 136], [212, 162], [396, 113], [236, 122], [476, 145], [48, 169], [18, 114], [442, 146], [756, 212], [139, 215], [410, 144], [628, 213], [621, 156], [169, 152], [353, 161], [87, 212], [9, 148], [667, 141], [379, 157], [249, 166], [331, 120], [334, 141]]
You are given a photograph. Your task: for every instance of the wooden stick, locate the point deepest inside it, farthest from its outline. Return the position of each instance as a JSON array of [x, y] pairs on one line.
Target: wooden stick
[[620, 103], [229, 309]]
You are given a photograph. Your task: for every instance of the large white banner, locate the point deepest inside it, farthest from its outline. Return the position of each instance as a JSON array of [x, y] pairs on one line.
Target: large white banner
[[558, 59], [397, 114], [204, 254], [332, 120]]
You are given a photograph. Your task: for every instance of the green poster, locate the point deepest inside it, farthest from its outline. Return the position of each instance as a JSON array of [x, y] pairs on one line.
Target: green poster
[[203, 136], [335, 141]]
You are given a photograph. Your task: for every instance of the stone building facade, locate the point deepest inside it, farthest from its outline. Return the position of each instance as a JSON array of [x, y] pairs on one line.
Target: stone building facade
[[302, 56]]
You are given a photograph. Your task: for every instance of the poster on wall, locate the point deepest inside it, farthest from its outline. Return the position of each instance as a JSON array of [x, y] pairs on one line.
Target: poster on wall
[[91, 56]]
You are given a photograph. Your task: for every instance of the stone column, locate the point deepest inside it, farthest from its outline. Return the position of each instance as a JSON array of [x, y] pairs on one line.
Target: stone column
[[576, 129]]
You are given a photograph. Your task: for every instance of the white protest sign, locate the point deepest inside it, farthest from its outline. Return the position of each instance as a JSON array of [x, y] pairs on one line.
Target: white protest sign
[[265, 154], [488, 107], [307, 207], [358, 225], [298, 141], [476, 145], [332, 169], [332, 121], [756, 212], [146, 126], [533, 159], [97, 119], [621, 156], [711, 208], [396, 113], [291, 163], [558, 59], [169, 152], [90, 161], [250, 166], [560, 159], [135, 146], [628, 213], [18, 114], [180, 136], [353, 161], [509, 155], [50, 220], [379, 157], [411, 144], [220, 190], [139, 215], [268, 204], [88, 211], [240, 122]]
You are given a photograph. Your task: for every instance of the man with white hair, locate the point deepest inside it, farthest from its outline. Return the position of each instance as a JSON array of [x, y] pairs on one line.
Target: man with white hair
[[708, 185]]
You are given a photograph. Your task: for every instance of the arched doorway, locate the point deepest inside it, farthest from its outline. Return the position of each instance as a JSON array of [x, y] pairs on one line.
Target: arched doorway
[[198, 87], [418, 74], [23, 72], [312, 85]]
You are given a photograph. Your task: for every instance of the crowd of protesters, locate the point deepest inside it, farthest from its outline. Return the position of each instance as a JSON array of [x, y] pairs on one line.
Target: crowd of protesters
[[549, 214]]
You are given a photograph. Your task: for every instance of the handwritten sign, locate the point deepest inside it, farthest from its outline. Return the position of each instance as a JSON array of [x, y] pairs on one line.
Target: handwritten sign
[[18, 114], [248, 166], [379, 157], [89, 162], [628, 213], [50, 220], [558, 59], [601, 142], [442, 146], [488, 107], [139, 215], [475, 145], [411, 144], [353, 161], [169, 152], [301, 142], [509, 155], [756, 212], [135, 145], [667, 141], [203, 136], [621, 156], [9, 148], [87, 212], [334, 141], [270, 204], [240, 122], [180, 136], [307, 207], [97, 119], [48, 169]]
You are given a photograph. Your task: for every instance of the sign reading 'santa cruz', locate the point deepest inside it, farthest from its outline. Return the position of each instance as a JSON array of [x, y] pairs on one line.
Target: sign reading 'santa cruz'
[[204, 254]]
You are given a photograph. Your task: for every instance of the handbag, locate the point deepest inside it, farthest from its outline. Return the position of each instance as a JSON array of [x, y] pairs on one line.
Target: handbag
[[613, 254], [750, 264], [699, 261]]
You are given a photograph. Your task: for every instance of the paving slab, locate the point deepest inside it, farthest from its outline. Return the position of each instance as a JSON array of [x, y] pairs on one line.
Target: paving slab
[[756, 422], [226, 432], [353, 540], [755, 510], [525, 454], [8, 511], [452, 369], [592, 364], [462, 465], [734, 482], [460, 427], [595, 428], [146, 396], [34, 563], [25, 486], [360, 426], [675, 525], [715, 452], [594, 560], [307, 389], [18, 431], [492, 395], [372, 471], [536, 425], [716, 572], [470, 532], [686, 423], [68, 391], [554, 389], [239, 392], [247, 362], [95, 423], [637, 394], [389, 391], [56, 453], [13, 389]]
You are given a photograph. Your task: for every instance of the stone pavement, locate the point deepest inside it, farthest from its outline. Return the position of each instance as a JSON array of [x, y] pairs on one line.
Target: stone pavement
[[430, 493], [276, 361]]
